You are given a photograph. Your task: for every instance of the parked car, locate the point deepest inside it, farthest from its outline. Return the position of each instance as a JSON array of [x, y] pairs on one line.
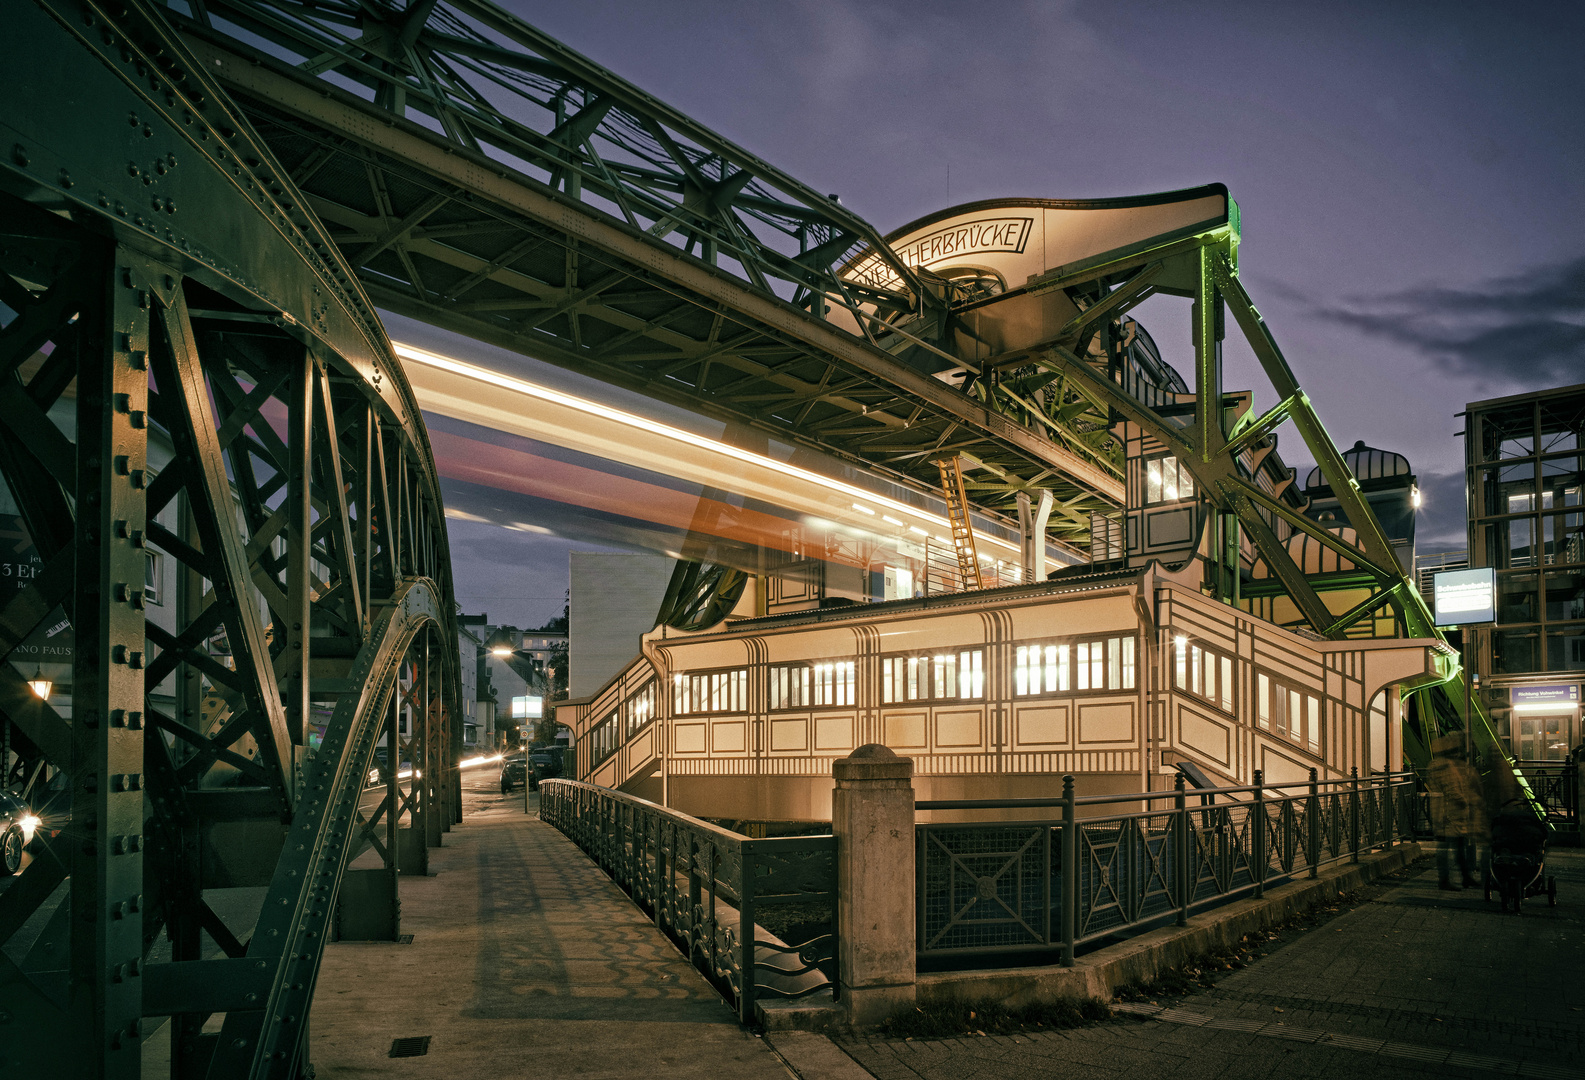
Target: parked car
[[514, 771], [17, 825], [548, 761]]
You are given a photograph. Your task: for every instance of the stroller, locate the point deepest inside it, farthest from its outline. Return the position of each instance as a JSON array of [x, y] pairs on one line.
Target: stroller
[[1517, 861]]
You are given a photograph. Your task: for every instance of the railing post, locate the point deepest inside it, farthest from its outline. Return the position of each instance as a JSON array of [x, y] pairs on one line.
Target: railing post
[[872, 817], [1257, 840], [745, 936], [1353, 812], [1070, 870], [657, 895], [1312, 815], [695, 897], [1184, 846]]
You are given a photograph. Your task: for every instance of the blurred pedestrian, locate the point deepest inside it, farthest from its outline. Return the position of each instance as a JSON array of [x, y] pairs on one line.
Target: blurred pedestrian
[[1458, 810]]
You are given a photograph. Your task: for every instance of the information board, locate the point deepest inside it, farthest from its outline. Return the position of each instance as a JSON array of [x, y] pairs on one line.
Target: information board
[[1461, 597], [1553, 697]]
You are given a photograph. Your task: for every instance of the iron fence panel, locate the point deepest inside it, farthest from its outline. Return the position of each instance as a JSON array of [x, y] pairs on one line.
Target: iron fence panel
[[986, 887]]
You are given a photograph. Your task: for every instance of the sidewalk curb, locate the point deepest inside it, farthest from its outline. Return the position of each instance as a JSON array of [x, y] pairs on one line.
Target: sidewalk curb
[[815, 1057], [1141, 959]]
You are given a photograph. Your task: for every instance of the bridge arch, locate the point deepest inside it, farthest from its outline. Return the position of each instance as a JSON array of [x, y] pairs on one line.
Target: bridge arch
[[235, 515]]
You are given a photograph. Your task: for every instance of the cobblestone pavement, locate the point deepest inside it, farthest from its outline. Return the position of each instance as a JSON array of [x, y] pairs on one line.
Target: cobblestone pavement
[[1411, 981]]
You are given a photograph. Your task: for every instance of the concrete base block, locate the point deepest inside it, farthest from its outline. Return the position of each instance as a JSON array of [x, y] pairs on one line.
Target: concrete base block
[[778, 1015], [367, 908], [869, 1005], [412, 854]]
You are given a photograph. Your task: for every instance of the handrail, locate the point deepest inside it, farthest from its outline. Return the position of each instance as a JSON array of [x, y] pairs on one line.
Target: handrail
[[1148, 796], [682, 871]]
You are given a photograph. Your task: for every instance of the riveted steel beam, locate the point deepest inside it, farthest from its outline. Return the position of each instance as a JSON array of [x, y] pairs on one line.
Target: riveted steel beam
[[169, 307]]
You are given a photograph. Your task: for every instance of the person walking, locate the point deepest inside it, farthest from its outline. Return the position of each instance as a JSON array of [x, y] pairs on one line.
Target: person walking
[[1458, 810]]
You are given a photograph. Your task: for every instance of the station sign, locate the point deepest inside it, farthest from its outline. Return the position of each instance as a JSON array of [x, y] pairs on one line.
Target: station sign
[[1461, 597], [1554, 697]]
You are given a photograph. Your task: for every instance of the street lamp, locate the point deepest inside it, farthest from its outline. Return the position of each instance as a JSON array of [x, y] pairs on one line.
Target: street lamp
[[501, 644], [39, 684]]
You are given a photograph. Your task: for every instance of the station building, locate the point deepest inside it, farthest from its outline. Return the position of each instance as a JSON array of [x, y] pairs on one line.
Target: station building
[[1175, 645], [1118, 672]]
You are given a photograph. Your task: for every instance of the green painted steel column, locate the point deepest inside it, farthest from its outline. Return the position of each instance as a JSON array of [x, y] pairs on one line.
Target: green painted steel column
[[106, 850], [1208, 332]]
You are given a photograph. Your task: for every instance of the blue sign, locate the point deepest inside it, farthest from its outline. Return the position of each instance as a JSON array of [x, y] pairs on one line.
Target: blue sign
[[1461, 597], [1553, 696]]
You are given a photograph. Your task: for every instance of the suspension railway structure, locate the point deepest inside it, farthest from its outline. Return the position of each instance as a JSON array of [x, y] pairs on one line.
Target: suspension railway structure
[[201, 205]]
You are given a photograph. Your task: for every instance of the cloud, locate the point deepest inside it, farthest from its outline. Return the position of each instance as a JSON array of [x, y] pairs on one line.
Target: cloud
[[1527, 328], [1442, 524]]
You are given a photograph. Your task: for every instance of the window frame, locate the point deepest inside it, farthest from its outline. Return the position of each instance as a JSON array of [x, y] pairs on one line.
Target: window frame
[[935, 676], [1155, 478], [1278, 700], [1058, 661], [1204, 672], [734, 682]]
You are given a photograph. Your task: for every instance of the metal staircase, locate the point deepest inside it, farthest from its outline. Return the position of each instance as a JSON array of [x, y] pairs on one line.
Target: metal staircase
[[958, 515]]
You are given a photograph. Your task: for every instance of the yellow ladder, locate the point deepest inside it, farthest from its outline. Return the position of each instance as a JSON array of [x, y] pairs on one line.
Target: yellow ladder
[[958, 515]]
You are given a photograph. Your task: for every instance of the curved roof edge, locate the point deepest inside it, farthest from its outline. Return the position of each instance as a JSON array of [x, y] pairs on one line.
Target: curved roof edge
[[1118, 203]]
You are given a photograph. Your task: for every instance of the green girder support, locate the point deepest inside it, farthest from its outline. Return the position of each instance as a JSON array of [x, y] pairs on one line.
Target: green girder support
[[1215, 458]]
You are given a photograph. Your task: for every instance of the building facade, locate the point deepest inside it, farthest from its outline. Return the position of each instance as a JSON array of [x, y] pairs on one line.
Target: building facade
[[1525, 477]]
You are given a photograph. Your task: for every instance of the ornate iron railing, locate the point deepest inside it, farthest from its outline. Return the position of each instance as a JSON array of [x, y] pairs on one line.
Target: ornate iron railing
[[757, 917], [986, 887], [1555, 785]]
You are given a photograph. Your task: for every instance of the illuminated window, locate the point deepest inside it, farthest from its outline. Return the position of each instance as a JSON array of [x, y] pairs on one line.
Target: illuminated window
[[1288, 711], [1167, 480], [639, 708], [710, 692], [789, 687], [834, 682], [954, 676], [1203, 672], [1101, 664]]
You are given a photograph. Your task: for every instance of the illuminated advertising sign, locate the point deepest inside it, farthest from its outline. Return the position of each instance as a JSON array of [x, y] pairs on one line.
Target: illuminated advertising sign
[[1461, 597]]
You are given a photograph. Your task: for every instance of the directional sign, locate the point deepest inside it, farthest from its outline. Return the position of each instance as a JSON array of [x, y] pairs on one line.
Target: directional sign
[[1554, 697]]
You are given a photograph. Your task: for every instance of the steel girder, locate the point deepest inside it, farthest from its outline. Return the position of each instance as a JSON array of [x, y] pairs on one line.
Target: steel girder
[[482, 177], [1223, 459], [190, 373]]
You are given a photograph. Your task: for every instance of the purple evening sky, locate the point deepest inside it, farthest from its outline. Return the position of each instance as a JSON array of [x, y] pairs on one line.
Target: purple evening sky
[[1409, 173]]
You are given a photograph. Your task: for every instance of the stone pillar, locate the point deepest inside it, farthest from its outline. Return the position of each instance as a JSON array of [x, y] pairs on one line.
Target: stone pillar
[[872, 816]]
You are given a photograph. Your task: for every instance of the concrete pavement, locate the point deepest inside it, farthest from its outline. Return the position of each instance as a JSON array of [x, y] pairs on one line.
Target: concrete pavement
[[526, 961]]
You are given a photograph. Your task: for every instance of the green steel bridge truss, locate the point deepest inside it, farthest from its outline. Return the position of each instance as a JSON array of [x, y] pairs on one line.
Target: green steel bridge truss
[[189, 369], [480, 176], [199, 206]]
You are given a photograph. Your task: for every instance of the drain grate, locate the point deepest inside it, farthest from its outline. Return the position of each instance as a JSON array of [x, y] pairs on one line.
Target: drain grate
[[404, 939], [412, 1046]]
